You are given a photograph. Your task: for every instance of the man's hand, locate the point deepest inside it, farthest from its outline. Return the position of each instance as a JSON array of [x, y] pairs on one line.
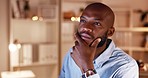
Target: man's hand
[[83, 53]]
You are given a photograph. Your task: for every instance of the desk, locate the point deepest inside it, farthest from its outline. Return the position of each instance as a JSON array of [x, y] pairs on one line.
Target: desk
[[18, 74]]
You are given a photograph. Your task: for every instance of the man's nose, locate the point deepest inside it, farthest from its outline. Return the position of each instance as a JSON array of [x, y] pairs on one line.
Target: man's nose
[[87, 28]]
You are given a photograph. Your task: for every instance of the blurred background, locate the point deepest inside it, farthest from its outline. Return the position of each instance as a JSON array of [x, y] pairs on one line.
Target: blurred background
[[35, 35]]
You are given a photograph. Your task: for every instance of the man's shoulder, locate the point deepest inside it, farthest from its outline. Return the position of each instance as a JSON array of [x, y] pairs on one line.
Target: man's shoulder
[[122, 56], [67, 55], [120, 60], [120, 63]]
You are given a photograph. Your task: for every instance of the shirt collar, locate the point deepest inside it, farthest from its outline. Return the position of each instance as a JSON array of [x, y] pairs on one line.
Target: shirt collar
[[105, 55]]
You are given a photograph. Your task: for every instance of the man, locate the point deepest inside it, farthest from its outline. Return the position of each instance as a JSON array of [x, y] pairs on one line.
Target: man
[[94, 55]]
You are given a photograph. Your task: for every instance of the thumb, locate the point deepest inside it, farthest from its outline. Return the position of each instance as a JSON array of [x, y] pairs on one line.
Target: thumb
[[95, 42]]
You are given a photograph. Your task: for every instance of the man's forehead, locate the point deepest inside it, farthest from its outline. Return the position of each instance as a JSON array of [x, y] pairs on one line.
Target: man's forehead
[[97, 6], [87, 17], [98, 9], [94, 14]]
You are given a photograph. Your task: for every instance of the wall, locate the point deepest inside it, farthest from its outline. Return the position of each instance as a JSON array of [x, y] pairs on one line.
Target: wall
[[131, 4], [4, 35], [4, 24], [137, 37], [135, 4]]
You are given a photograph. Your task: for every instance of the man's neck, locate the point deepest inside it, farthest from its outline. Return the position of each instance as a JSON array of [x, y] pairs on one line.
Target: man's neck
[[100, 50]]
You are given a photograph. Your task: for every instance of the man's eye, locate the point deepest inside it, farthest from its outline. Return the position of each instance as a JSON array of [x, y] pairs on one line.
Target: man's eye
[[97, 24], [82, 21]]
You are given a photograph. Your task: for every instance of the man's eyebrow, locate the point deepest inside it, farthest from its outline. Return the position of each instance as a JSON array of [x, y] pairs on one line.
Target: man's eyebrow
[[97, 18], [82, 17]]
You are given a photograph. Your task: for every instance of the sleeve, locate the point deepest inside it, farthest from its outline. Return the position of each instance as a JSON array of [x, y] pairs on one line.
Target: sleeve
[[128, 71], [133, 72], [92, 76], [62, 72]]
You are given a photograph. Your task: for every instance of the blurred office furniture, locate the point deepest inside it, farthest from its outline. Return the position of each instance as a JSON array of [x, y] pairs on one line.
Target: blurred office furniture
[[18, 74]]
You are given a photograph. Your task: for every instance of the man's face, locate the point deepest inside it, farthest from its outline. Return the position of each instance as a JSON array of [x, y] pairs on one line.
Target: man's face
[[93, 25]]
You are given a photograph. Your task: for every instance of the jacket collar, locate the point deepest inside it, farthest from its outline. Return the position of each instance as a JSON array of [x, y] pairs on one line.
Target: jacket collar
[[100, 60]]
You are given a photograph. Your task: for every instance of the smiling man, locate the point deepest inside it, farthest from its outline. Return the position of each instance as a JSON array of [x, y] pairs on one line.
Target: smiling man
[[94, 55]]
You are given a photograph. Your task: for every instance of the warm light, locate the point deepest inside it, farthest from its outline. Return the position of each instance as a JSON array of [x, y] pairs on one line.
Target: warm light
[[73, 19], [78, 19], [18, 46], [12, 47], [35, 18], [41, 19]]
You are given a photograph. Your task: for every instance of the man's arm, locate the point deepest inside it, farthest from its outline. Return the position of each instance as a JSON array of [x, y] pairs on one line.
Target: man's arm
[[62, 72], [83, 53], [129, 70]]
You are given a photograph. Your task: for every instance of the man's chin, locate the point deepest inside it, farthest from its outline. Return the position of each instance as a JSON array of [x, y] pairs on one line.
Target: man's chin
[[87, 41]]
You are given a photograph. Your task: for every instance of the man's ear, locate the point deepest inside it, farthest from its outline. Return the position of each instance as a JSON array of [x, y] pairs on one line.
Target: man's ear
[[111, 31]]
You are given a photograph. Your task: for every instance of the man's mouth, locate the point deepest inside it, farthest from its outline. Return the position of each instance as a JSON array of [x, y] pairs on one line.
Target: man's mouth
[[85, 36]]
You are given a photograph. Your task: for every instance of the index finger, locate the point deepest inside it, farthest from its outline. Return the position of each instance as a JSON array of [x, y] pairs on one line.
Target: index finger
[[95, 42]]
